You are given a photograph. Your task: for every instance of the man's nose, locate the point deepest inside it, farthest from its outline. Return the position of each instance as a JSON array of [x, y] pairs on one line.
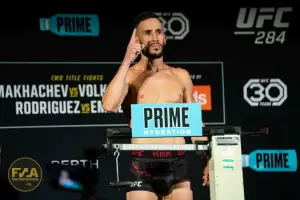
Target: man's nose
[[154, 36]]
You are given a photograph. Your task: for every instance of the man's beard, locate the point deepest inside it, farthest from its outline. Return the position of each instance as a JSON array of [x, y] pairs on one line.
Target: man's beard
[[152, 56]]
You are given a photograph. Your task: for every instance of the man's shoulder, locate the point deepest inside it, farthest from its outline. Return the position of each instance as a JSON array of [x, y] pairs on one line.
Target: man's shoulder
[[132, 73], [133, 69], [180, 71]]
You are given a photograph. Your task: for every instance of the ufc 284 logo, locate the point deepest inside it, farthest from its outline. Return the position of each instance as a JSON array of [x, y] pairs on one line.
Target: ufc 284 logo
[[258, 92], [175, 25], [255, 21]]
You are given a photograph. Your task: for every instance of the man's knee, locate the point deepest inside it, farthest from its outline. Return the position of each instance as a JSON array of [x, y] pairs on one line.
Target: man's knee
[[137, 195], [180, 194], [182, 185], [181, 191]]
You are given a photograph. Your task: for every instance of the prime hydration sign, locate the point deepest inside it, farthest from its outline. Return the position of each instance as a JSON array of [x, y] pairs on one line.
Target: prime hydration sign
[[271, 160], [166, 120], [71, 24]]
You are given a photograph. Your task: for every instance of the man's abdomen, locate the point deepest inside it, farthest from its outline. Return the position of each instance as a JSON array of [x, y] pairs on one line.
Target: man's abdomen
[[158, 90]]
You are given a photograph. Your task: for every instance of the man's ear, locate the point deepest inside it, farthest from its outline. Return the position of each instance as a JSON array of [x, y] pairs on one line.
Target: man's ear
[[165, 39]]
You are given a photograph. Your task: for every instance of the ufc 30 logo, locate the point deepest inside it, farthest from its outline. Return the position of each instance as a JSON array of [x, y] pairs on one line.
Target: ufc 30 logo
[[257, 92], [251, 19], [175, 25]]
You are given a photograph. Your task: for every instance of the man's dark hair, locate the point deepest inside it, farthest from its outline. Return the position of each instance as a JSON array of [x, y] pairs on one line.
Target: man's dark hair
[[143, 16]]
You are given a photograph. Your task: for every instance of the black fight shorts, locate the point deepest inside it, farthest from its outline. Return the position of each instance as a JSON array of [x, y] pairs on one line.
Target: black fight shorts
[[157, 171]]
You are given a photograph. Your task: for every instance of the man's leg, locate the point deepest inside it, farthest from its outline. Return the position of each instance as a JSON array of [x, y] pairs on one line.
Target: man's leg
[[138, 195], [139, 173], [180, 191]]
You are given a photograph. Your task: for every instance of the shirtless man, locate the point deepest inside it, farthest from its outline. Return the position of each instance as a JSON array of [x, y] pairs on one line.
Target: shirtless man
[[151, 81]]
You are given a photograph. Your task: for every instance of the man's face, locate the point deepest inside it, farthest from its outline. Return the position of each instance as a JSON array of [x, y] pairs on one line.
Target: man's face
[[150, 34]]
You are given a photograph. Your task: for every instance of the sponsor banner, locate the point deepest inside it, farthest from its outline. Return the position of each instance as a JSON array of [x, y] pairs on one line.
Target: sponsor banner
[[71, 24], [271, 160], [202, 94], [166, 120], [69, 94]]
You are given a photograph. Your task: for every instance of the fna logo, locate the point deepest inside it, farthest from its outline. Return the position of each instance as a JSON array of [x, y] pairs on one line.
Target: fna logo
[[71, 24], [25, 174]]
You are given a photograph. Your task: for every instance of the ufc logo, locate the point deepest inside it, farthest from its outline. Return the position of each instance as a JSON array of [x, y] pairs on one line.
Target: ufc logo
[[257, 17], [136, 184], [261, 92]]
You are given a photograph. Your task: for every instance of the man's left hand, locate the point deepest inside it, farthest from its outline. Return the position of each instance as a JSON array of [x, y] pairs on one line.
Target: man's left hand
[[205, 176]]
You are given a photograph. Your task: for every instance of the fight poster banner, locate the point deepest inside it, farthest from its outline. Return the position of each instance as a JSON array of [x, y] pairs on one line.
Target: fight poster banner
[[69, 94], [55, 94]]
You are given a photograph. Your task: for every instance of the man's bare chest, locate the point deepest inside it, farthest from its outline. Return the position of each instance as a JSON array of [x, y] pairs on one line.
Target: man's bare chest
[[150, 79], [139, 80]]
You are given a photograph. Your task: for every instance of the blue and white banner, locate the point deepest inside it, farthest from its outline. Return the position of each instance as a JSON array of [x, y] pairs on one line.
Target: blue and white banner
[[71, 24], [166, 120], [271, 160]]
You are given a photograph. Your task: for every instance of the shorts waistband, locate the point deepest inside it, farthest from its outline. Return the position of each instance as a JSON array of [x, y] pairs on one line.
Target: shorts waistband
[[157, 154]]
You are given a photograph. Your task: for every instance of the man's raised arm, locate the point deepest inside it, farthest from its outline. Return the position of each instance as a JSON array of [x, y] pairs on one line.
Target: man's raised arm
[[116, 90], [118, 87]]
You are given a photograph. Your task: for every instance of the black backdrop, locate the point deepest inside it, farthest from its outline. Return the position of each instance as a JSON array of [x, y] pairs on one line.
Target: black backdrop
[[210, 51]]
